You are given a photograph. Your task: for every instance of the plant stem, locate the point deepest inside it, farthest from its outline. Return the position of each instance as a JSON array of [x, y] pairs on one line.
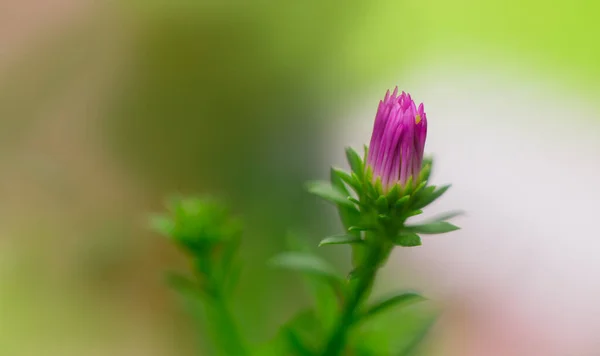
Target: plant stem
[[366, 278], [225, 330]]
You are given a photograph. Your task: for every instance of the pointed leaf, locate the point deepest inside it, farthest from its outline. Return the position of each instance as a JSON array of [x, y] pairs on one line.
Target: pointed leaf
[[414, 213], [340, 240], [340, 176], [305, 262], [444, 216], [426, 199], [329, 193], [399, 299], [338, 182], [402, 201], [382, 204], [408, 239], [355, 161], [425, 171], [394, 194], [438, 227]]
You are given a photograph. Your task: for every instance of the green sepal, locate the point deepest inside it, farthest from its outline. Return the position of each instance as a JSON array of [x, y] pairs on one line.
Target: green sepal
[[394, 194], [414, 213], [418, 188], [438, 227], [425, 171], [402, 201], [337, 178], [356, 163], [340, 240], [429, 198], [347, 178], [408, 187], [330, 193], [382, 204], [407, 239]]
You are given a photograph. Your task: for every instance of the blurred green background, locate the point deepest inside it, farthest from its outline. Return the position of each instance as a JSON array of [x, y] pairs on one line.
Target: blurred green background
[[105, 109]]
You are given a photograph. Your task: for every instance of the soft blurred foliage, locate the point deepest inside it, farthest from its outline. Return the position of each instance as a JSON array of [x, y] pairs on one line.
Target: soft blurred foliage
[[108, 107]]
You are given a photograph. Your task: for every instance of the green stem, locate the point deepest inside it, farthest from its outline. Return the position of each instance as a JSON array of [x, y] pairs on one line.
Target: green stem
[[360, 291], [225, 329]]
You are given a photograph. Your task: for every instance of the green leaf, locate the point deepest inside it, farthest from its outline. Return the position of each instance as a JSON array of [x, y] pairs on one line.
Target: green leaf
[[305, 262], [342, 177], [382, 204], [416, 340], [418, 188], [162, 224], [394, 194], [445, 216], [340, 240], [414, 213], [425, 171], [355, 161], [326, 191], [408, 239], [348, 214], [338, 182], [402, 201], [438, 227], [397, 299], [426, 199]]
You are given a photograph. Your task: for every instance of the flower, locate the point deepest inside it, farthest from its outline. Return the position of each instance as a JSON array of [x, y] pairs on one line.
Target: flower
[[398, 140]]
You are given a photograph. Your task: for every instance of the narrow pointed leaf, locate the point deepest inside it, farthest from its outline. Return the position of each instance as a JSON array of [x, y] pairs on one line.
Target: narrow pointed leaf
[[444, 216], [402, 201], [425, 172], [344, 177], [414, 213], [348, 214], [355, 161], [338, 182], [340, 240], [395, 300], [408, 239], [382, 204], [426, 199], [306, 263], [394, 194], [329, 193], [438, 227]]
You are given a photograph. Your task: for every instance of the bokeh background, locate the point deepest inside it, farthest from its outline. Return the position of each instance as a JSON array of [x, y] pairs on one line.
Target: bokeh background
[[108, 107]]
